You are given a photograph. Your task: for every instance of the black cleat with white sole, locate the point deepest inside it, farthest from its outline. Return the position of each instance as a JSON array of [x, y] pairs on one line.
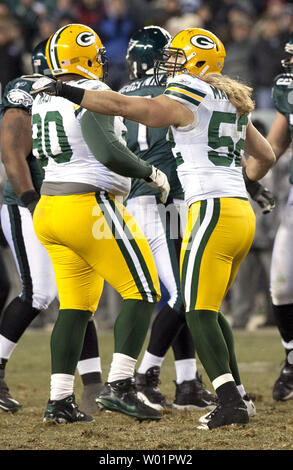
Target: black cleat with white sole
[[227, 414], [250, 406], [191, 394], [7, 403], [147, 386]]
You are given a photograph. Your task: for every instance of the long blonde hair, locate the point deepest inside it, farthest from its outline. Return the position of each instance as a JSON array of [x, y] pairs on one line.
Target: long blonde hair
[[238, 93]]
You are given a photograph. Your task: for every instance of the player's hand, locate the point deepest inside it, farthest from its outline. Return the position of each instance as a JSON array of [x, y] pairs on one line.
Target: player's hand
[[158, 180], [265, 199], [30, 199], [259, 194], [31, 207], [46, 85]]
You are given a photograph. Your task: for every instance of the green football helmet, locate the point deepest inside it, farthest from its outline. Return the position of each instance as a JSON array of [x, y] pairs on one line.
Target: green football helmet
[[144, 49], [39, 61], [289, 49]]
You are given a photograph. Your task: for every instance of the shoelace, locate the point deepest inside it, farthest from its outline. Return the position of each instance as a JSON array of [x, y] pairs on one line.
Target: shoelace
[[215, 411], [153, 380], [132, 390]]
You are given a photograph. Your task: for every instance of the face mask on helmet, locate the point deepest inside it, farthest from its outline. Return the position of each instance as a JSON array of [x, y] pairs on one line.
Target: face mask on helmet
[[144, 48], [289, 49], [194, 50], [77, 49]]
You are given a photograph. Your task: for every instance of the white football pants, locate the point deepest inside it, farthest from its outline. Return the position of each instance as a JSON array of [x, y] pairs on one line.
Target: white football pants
[[32, 260], [162, 226], [282, 258]]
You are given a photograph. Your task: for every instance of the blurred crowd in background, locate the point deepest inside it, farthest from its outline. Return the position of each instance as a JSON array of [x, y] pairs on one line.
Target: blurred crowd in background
[[254, 33]]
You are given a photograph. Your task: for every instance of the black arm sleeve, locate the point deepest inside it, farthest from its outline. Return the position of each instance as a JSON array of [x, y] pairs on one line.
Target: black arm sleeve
[[98, 133]]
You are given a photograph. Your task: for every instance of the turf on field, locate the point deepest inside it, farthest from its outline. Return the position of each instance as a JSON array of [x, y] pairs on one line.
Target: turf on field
[[259, 355]]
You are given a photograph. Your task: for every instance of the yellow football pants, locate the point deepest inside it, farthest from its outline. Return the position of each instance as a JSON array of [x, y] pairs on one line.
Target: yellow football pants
[[217, 238], [91, 238]]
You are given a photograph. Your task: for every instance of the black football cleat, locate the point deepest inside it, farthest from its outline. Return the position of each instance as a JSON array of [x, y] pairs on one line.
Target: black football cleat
[[191, 394], [148, 391], [65, 411], [283, 387], [227, 414], [121, 396], [7, 403]]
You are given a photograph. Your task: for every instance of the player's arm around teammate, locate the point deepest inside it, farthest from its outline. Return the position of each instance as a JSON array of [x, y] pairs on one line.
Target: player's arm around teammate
[[161, 111], [208, 114]]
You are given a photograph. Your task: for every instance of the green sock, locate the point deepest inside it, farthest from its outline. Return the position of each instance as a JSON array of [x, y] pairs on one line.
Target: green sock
[[229, 338], [131, 327], [209, 342], [67, 340]]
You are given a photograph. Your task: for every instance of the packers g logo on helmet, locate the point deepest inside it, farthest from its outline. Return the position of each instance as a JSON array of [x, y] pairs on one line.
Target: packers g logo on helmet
[[76, 49], [203, 42], [85, 39]]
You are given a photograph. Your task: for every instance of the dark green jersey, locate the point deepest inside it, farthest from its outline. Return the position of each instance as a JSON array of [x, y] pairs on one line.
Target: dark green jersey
[[17, 95], [283, 101], [150, 144]]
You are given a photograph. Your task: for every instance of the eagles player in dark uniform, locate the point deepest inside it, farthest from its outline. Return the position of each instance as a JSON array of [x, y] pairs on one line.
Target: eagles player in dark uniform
[[280, 137], [21, 194], [162, 227]]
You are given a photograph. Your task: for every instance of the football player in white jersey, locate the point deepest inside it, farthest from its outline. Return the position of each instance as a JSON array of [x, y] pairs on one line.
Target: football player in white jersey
[[164, 233], [20, 196], [209, 117], [88, 233]]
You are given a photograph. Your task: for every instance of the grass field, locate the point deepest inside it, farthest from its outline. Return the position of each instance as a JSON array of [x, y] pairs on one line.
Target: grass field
[[28, 374]]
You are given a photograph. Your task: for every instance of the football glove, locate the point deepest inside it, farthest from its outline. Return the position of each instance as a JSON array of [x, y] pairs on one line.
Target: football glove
[[30, 199], [259, 194], [46, 85], [158, 180], [58, 88]]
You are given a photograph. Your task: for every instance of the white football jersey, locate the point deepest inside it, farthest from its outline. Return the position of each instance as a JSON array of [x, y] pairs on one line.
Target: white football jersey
[[209, 151], [59, 144]]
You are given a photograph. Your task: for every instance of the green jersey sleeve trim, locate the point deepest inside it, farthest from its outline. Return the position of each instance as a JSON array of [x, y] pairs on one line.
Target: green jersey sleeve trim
[[187, 88], [182, 97], [98, 132], [185, 93]]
